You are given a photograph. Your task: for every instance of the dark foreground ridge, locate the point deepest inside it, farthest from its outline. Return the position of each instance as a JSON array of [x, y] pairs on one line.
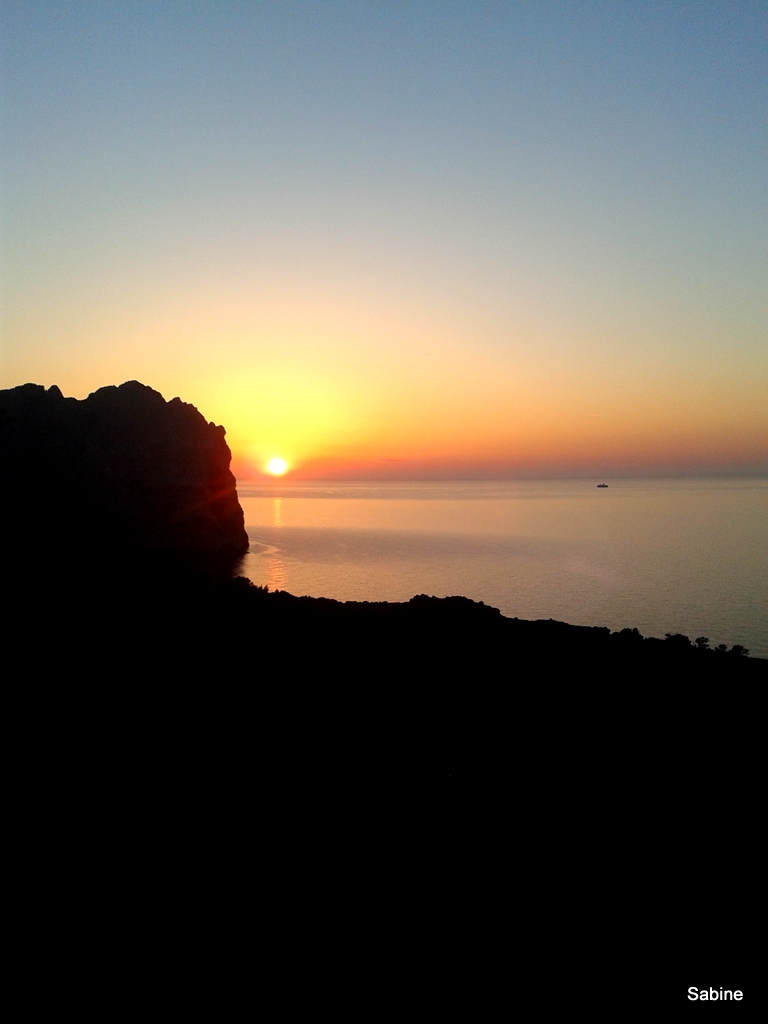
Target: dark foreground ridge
[[462, 635], [184, 723]]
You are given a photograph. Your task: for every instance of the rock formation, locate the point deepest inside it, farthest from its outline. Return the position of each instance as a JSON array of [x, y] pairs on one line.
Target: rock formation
[[121, 474]]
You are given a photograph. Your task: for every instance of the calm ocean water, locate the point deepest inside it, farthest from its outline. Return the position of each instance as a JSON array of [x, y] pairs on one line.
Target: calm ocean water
[[687, 556]]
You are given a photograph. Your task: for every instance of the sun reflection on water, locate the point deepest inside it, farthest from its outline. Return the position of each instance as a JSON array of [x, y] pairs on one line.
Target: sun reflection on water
[[276, 571]]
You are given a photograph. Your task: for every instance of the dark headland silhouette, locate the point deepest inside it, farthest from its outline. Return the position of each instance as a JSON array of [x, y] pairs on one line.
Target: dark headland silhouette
[[156, 690], [123, 471]]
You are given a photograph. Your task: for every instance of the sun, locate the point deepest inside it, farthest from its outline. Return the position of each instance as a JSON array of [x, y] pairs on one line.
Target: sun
[[277, 467]]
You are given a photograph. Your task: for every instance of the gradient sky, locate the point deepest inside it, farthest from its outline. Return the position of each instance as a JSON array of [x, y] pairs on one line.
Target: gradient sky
[[398, 239]]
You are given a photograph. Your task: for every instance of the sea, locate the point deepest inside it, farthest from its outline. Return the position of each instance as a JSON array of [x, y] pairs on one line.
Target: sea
[[666, 556]]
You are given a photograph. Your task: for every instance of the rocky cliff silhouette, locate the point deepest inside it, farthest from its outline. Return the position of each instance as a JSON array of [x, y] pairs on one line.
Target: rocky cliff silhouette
[[121, 471]]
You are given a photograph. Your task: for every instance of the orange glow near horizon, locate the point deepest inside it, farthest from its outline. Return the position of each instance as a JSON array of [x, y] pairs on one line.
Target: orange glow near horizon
[[417, 401], [392, 410]]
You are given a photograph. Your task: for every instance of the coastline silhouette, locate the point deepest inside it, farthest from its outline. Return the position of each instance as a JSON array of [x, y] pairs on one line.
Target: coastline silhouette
[[126, 470]]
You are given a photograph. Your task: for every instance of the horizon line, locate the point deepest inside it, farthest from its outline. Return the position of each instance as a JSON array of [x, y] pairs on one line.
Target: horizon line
[[264, 478]]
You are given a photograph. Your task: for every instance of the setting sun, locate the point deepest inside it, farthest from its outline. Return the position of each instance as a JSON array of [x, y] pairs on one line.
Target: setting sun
[[277, 467]]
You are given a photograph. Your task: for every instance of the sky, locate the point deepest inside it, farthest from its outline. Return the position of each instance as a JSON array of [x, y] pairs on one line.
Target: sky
[[398, 239]]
